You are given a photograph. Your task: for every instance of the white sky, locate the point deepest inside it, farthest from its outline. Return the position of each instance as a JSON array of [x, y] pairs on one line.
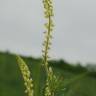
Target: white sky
[[21, 28]]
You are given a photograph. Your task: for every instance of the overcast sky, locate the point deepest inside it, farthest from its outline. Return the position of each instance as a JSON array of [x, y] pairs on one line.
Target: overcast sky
[[21, 28]]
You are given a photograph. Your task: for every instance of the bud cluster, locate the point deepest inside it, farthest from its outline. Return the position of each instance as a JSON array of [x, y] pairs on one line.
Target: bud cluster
[[28, 82], [51, 83], [48, 8]]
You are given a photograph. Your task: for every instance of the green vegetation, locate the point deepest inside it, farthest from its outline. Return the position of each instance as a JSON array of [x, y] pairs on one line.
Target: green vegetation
[[73, 84], [41, 76]]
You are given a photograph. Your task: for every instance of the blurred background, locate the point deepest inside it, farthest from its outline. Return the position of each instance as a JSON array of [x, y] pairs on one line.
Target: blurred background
[[73, 50], [21, 28]]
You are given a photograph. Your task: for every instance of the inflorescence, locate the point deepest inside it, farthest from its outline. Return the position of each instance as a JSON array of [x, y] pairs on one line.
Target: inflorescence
[[28, 82]]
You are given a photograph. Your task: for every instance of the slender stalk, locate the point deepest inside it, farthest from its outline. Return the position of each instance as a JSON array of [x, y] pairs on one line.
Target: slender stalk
[[49, 26], [46, 47]]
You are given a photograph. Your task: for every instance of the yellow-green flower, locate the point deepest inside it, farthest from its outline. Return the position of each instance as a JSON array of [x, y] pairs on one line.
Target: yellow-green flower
[[28, 82]]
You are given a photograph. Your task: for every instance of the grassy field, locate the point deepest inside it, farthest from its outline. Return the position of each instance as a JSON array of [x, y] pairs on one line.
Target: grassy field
[[76, 80]]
